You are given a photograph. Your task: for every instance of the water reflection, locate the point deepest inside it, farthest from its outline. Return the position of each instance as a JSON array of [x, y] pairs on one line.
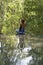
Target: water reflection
[[22, 58], [32, 53], [24, 61]]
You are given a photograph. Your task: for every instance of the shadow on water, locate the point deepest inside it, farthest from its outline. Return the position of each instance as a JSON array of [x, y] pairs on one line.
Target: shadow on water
[[32, 54]]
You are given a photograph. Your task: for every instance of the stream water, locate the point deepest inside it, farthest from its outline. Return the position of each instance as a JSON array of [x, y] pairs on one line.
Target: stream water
[[24, 57]]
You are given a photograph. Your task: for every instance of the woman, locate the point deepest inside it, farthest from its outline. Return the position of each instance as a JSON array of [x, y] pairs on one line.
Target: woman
[[22, 27]]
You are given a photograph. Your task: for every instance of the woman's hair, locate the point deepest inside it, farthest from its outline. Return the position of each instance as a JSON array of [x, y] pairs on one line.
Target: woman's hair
[[22, 20]]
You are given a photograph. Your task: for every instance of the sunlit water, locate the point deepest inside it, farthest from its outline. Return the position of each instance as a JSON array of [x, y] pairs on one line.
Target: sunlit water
[[21, 57], [25, 60]]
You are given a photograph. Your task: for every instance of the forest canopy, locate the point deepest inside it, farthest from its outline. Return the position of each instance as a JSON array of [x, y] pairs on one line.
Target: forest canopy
[[11, 11]]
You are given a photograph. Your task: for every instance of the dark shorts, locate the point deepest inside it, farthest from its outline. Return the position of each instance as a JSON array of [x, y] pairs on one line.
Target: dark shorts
[[20, 32]]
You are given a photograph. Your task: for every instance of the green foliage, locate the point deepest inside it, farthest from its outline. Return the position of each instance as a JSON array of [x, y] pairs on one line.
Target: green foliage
[[33, 13], [11, 11]]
